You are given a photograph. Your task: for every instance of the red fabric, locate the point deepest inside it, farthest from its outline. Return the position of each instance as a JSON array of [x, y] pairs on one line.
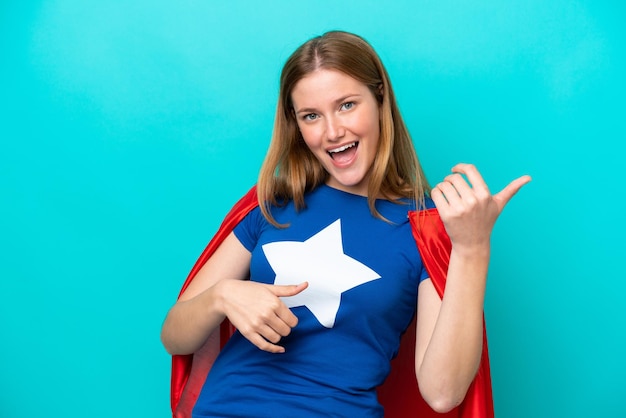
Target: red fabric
[[399, 394], [190, 371], [434, 246]]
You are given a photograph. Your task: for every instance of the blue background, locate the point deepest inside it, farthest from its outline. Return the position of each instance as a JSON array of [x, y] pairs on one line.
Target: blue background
[[128, 128]]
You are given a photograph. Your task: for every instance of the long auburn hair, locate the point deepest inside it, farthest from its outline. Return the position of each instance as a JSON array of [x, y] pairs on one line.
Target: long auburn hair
[[290, 169]]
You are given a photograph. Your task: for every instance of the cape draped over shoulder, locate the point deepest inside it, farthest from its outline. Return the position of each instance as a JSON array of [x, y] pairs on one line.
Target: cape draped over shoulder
[[399, 394]]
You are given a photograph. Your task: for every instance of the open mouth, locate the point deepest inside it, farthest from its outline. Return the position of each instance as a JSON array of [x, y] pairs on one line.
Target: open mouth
[[344, 153]]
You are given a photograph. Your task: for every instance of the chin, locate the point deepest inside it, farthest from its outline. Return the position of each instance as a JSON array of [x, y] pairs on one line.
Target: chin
[[355, 187]]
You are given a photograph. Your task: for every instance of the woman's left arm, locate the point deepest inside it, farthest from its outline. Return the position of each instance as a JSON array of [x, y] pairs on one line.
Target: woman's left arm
[[450, 330]]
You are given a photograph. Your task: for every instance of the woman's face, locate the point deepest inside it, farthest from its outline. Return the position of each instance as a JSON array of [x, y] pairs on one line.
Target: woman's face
[[339, 119]]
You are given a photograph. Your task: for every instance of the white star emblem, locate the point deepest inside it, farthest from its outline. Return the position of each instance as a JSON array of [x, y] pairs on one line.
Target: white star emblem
[[321, 262]]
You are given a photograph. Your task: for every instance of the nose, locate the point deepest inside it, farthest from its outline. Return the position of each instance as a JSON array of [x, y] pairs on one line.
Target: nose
[[334, 129]]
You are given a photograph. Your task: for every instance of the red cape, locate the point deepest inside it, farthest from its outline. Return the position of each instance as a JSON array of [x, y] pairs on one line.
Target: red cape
[[399, 395]]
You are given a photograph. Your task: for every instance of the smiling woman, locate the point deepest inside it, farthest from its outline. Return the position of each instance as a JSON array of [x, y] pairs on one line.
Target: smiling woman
[[338, 118], [317, 268]]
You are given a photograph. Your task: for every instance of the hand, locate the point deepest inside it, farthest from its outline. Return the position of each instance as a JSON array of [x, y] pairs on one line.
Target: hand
[[467, 208], [257, 312]]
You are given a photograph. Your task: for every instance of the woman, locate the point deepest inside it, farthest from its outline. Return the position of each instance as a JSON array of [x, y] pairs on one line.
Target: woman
[[323, 277]]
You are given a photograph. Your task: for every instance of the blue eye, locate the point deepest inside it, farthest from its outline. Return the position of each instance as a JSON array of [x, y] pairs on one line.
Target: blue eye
[[347, 105], [310, 116]]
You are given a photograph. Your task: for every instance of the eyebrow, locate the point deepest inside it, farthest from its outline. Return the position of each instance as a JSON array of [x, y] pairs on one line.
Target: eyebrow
[[336, 101]]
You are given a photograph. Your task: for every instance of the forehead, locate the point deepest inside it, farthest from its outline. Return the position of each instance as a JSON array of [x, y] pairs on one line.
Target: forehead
[[324, 84]]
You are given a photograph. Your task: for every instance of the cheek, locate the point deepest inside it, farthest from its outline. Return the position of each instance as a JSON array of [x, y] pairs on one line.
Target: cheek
[[310, 136], [377, 125], [370, 126]]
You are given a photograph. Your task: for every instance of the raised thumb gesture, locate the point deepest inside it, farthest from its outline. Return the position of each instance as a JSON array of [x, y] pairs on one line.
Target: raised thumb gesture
[[503, 197], [467, 207]]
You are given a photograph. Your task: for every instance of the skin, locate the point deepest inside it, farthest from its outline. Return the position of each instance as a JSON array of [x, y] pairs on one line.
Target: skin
[[333, 110], [449, 331], [220, 290]]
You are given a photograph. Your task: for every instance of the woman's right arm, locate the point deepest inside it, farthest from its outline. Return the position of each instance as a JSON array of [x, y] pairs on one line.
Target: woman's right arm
[[198, 312], [220, 290]]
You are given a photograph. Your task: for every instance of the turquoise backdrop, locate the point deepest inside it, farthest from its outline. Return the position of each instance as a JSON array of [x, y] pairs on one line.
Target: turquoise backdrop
[[128, 128]]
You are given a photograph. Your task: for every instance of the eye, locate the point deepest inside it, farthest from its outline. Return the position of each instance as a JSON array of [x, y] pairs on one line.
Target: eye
[[347, 106], [310, 117]]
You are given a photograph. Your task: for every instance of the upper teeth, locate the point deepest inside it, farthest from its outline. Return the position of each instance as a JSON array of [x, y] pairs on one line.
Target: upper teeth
[[343, 148]]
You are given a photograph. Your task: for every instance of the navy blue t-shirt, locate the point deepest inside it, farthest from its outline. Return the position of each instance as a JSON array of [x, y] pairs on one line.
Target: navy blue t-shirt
[[363, 274]]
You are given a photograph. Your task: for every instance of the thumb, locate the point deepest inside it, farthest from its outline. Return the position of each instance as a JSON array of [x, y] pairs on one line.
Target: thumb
[[503, 197], [288, 290]]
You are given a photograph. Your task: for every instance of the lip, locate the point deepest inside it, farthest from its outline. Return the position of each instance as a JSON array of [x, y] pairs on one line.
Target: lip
[[342, 147], [347, 145]]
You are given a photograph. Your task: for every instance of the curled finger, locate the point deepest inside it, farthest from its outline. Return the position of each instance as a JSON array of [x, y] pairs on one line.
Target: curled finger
[[459, 182], [474, 178], [438, 197], [281, 327], [270, 334], [265, 345], [285, 319], [449, 191]]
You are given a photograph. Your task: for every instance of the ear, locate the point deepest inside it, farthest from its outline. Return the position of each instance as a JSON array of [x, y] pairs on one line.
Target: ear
[[380, 96], [381, 92]]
